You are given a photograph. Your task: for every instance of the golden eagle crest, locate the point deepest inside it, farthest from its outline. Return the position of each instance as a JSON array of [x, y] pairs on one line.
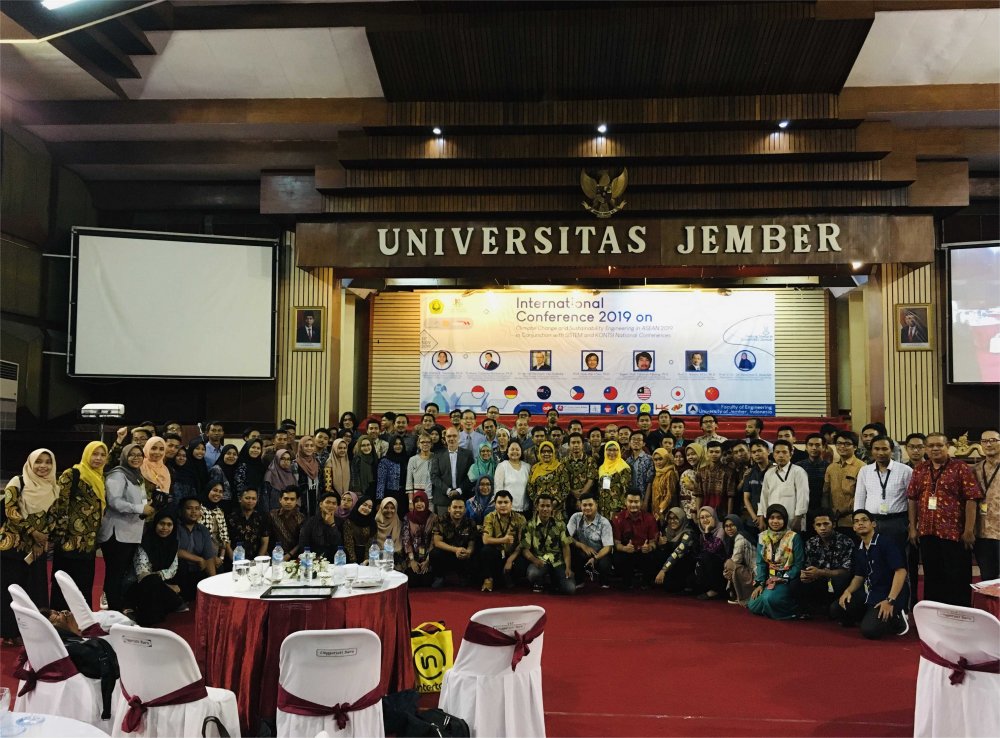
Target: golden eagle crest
[[604, 191]]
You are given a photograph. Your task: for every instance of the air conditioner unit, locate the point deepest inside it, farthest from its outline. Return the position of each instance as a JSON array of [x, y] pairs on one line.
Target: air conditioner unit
[[9, 373]]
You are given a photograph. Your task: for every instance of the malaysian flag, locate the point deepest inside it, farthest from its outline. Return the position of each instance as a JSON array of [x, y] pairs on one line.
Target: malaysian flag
[[644, 393]]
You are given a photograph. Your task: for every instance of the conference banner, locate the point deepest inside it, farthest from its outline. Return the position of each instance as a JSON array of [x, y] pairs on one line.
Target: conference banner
[[599, 352]]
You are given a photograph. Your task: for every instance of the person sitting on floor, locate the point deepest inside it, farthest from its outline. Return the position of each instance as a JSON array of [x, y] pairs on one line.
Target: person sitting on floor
[[500, 555], [454, 546], [149, 586], [199, 557], [738, 569], [635, 535], [709, 582], [678, 545], [827, 570], [593, 540], [878, 566], [546, 547], [779, 563]]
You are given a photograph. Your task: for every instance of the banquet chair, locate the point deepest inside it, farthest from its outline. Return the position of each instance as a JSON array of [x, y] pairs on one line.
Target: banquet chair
[[21, 597], [322, 670], [958, 681], [49, 682], [92, 624], [163, 692], [495, 684]]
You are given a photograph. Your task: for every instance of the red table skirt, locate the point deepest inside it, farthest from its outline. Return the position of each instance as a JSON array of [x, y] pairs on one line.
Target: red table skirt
[[237, 642], [989, 603]]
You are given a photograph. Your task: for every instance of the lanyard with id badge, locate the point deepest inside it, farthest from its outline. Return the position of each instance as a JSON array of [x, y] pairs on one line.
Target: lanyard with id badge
[[883, 508], [932, 500]]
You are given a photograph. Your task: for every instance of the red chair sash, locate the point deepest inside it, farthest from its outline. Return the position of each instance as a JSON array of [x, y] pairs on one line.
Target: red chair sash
[[484, 635], [137, 708], [55, 671], [288, 702], [957, 675], [93, 631]]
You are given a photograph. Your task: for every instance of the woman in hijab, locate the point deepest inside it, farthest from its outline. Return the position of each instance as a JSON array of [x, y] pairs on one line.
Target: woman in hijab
[[391, 475], [30, 516], [149, 582], [614, 477], [190, 478], [417, 540], [250, 468], [156, 476], [678, 547], [694, 453], [224, 471], [213, 517], [121, 528], [359, 531], [348, 501], [480, 504], [320, 533], [387, 525], [363, 468], [663, 491], [549, 476], [82, 499], [779, 563], [709, 582], [310, 477], [337, 472], [485, 464], [280, 475], [739, 567]]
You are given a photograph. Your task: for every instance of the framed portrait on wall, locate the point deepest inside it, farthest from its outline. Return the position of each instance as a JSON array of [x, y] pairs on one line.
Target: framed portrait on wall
[[914, 327], [309, 328]]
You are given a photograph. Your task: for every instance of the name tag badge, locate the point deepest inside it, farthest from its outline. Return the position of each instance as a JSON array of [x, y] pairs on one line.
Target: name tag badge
[[883, 509], [932, 502], [829, 586], [982, 507], [868, 586]]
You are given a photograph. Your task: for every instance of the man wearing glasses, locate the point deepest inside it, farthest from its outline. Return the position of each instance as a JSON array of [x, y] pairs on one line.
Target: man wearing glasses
[[988, 514], [839, 483], [943, 499], [914, 446]]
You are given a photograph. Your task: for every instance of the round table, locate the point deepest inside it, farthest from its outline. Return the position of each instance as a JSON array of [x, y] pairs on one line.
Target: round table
[[238, 636], [57, 726]]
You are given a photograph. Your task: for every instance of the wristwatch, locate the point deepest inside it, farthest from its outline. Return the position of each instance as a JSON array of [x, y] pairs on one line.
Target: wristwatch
[[890, 600]]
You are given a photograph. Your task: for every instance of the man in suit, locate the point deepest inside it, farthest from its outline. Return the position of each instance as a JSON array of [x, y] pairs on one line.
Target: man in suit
[[309, 332], [489, 363], [450, 473], [697, 363], [912, 331], [541, 362]]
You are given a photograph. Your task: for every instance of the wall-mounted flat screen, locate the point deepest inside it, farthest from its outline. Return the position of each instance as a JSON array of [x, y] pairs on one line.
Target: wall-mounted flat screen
[[974, 295], [171, 305]]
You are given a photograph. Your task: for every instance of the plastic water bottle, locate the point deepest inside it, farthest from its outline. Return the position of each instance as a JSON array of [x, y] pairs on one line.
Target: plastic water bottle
[[388, 553], [277, 562], [340, 558], [238, 555], [306, 569], [374, 555]]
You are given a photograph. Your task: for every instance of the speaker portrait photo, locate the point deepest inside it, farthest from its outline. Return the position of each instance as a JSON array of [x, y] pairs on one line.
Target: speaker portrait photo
[[441, 360], [592, 361], [541, 360], [696, 361], [489, 360], [308, 329], [914, 327], [642, 361]]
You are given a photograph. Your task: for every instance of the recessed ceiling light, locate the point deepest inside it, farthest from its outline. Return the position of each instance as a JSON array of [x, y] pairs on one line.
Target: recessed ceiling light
[[602, 128], [56, 4], [436, 131], [783, 124], [855, 265]]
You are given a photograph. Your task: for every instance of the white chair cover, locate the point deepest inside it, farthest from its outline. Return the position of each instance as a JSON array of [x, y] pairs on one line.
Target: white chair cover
[[20, 597], [154, 663], [971, 708], [85, 617], [77, 697], [483, 690], [331, 667]]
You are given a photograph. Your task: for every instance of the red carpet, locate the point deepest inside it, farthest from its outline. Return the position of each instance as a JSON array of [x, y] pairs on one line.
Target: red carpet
[[641, 664]]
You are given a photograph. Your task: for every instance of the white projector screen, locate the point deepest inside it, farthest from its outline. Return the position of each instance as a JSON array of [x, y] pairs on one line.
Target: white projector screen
[[974, 291], [171, 305]]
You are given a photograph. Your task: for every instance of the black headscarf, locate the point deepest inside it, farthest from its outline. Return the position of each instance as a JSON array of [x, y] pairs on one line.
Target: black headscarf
[[160, 551], [194, 473], [255, 468], [229, 470], [205, 502], [362, 521]]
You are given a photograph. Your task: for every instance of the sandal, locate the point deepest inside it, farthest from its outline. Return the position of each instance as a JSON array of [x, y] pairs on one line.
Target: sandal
[[487, 585]]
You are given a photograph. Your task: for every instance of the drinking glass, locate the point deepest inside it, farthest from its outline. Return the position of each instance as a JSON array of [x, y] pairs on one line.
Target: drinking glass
[[7, 725], [351, 573]]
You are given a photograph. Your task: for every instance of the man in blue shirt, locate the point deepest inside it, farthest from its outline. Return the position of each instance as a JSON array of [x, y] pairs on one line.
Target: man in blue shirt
[[197, 554], [880, 568]]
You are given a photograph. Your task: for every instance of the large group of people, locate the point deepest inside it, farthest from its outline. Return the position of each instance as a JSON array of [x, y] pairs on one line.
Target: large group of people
[[837, 528]]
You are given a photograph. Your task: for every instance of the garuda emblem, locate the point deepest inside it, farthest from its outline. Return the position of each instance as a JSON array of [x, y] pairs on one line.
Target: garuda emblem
[[604, 191]]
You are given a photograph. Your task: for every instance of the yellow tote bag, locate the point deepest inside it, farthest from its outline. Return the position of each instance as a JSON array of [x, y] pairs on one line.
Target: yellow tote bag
[[433, 654]]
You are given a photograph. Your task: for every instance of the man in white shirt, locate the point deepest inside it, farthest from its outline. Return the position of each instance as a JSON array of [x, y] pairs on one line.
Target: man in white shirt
[[785, 484], [881, 489]]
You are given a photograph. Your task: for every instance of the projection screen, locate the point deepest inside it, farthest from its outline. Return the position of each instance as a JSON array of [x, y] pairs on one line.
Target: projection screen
[[171, 305]]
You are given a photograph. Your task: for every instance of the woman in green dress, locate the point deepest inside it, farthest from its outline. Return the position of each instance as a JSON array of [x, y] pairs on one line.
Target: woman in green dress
[[614, 477], [779, 562]]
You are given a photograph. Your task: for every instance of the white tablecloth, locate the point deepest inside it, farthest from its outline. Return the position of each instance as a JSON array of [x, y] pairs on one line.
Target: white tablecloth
[[222, 585], [55, 726]]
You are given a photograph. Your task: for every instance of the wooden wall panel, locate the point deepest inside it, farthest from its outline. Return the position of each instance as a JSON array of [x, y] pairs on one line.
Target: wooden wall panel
[[802, 377], [913, 379], [303, 388]]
